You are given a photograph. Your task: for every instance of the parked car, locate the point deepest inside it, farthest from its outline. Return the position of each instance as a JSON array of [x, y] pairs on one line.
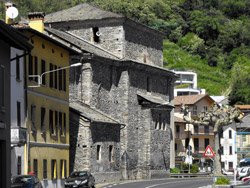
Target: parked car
[[245, 178], [80, 179], [242, 173], [25, 181], [246, 184], [228, 172]]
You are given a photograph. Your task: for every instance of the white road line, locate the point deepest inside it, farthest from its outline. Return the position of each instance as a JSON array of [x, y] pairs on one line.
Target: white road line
[[168, 183]]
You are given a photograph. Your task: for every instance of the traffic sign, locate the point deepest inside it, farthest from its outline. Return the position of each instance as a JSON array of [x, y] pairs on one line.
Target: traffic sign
[[208, 152]]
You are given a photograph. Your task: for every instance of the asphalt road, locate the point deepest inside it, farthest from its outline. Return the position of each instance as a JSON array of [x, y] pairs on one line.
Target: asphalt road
[[164, 183]]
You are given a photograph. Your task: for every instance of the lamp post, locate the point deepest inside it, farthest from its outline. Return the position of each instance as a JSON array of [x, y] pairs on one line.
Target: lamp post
[[40, 76]]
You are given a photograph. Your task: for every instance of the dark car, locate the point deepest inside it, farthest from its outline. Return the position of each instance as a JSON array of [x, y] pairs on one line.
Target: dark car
[[80, 179], [25, 181], [245, 184]]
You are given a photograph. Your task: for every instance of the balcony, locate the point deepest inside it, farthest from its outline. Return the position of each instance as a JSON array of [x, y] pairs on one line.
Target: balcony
[[18, 136], [179, 135], [203, 130]]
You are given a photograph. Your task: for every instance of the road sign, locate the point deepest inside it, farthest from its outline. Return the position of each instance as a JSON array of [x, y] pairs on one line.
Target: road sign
[[208, 152]]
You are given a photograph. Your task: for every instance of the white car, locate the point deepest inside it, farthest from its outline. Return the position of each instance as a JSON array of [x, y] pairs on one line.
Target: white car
[[243, 172], [228, 172]]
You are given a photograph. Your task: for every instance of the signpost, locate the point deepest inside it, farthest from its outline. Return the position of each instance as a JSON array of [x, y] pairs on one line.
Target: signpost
[[209, 153]]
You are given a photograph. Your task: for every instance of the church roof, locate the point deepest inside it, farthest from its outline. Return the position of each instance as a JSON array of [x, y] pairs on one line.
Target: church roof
[[83, 11], [92, 114]]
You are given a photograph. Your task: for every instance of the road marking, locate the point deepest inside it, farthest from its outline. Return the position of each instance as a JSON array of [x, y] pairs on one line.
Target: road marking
[[168, 183]]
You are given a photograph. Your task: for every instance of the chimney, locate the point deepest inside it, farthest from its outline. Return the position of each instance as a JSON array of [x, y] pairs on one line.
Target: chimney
[[36, 21], [7, 19]]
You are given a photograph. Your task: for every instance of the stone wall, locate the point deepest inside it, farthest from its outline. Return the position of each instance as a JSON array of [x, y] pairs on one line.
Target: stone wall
[[142, 46]]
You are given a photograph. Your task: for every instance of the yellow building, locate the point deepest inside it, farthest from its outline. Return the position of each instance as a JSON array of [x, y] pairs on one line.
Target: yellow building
[[48, 105], [198, 137]]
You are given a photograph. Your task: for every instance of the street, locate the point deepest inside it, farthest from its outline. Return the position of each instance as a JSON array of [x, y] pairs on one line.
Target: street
[[164, 183]]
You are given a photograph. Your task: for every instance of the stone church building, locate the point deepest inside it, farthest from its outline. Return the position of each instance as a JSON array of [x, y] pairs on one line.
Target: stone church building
[[121, 99]]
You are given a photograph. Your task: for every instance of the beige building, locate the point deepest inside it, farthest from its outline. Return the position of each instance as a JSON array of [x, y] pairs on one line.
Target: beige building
[[198, 137]]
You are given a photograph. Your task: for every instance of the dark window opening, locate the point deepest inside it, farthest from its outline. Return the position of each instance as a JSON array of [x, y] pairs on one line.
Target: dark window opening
[[96, 34], [17, 68], [42, 120], [45, 169], [18, 106], [19, 165], [35, 165], [30, 66], [55, 74], [51, 75], [43, 69], [36, 69]]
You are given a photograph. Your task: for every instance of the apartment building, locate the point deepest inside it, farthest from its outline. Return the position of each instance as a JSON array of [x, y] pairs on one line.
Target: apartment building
[[196, 136]]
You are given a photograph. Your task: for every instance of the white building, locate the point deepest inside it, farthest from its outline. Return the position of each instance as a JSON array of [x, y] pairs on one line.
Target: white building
[[188, 79], [18, 130], [228, 155]]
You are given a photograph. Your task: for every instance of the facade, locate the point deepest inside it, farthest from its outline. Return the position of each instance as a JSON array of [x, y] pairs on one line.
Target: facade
[[189, 81], [18, 112], [47, 105], [8, 38], [122, 80], [198, 137], [228, 154]]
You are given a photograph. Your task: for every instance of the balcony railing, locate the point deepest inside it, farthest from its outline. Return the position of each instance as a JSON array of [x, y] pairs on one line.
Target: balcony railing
[[179, 135], [18, 135], [203, 131]]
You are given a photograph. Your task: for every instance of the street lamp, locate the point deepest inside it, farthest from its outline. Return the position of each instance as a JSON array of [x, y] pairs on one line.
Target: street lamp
[[40, 76]]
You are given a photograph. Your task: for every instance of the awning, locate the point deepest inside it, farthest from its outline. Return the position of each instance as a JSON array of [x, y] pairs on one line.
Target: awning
[[153, 101], [92, 114]]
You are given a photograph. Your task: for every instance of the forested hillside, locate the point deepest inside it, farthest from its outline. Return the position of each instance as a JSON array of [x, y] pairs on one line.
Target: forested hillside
[[210, 37]]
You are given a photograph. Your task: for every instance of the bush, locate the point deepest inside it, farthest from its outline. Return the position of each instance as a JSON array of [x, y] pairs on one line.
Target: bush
[[222, 181], [174, 170], [194, 168]]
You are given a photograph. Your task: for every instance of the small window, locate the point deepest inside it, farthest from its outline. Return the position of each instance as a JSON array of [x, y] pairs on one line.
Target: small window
[[111, 153], [230, 150], [43, 69], [176, 147], [35, 166], [30, 66], [64, 80], [36, 68], [56, 123], [18, 107], [149, 84], [43, 120], [230, 133], [33, 118], [17, 67], [63, 169], [55, 78], [205, 109], [51, 122], [222, 150], [98, 155], [96, 34], [19, 165], [60, 79], [177, 128], [244, 137], [53, 169], [195, 111], [45, 176], [230, 165], [51, 76]]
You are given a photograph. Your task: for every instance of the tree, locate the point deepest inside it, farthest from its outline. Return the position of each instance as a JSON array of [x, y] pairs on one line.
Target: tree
[[240, 84], [217, 118]]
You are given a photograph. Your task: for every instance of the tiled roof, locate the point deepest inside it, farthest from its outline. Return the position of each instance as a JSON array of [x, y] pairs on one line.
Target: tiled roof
[[245, 122], [92, 114], [190, 99], [83, 11], [243, 106], [180, 120]]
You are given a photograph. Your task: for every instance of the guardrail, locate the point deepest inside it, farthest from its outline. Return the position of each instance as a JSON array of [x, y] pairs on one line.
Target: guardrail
[[183, 175]]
